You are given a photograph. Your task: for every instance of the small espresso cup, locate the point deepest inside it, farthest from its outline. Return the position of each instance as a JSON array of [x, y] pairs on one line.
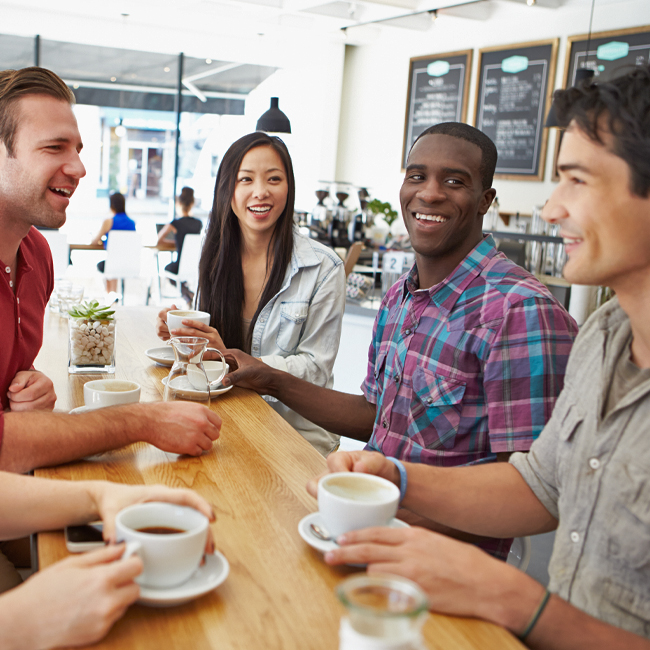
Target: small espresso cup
[[175, 317], [353, 500], [170, 539], [110, 392]]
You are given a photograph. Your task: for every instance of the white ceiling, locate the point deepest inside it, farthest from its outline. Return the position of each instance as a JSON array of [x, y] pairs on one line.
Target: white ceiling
[[261, 32], [267, 17]]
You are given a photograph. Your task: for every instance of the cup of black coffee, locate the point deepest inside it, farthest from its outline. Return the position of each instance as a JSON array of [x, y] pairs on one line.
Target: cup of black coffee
[[170, 539]]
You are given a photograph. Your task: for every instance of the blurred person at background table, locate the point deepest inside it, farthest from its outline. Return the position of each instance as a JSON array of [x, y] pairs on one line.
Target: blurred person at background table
[[40, 169], [468, 351], [270, 291], [77, 600], [119, 221], [588, 474], [186, 224]]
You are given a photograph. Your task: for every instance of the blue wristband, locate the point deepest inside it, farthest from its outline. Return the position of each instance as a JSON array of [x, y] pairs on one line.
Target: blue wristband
[[402, 476]]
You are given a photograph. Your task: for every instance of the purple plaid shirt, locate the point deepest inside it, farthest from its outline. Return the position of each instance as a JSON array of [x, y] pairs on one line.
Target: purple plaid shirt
[[468, 368]]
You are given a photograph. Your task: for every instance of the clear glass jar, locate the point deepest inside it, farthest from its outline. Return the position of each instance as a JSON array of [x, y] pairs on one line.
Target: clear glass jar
[[91, 345], [384, 613]]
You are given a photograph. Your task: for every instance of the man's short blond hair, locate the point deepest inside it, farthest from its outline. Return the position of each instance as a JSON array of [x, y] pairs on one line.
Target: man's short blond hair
[[16, 84]]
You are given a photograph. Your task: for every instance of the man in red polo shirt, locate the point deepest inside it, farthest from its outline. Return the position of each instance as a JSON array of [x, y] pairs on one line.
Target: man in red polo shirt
[[40, 169]]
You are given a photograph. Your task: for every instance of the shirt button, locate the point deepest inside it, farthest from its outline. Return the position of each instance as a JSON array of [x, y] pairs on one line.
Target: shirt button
[[396, 379], [8, 269], [11, 284], [407, 332], [575, 537], [429, 400], [384, 424], [18, 300], [594, 463]]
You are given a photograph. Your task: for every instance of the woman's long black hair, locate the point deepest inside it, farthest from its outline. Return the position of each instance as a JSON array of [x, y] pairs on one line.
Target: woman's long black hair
[[221, 280]]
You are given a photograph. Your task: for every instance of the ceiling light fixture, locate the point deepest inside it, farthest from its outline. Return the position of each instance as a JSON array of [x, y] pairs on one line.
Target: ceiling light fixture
[[394, 20], [531, 3], [274, 120], [434, 15], [120, 130]]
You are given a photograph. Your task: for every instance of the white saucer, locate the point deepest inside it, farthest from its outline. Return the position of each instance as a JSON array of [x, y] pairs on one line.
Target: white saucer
[[321, 545], [163, 356], [82, 409], [206, 578], [185, 389]]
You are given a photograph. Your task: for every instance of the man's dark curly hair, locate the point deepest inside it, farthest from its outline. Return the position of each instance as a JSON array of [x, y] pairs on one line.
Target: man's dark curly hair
[[621, 106]]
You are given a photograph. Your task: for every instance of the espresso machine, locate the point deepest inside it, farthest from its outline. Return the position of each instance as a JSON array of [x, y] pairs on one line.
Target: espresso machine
[[338, 226], [359, 223]]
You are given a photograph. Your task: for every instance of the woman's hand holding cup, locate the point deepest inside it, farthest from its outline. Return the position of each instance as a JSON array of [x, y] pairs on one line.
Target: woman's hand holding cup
[[179, 322]]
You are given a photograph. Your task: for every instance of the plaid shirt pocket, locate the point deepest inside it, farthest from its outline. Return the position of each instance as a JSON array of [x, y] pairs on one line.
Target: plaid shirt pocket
[[436, 410]]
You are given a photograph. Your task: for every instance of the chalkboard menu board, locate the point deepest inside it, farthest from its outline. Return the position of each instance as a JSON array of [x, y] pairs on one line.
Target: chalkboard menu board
[[610, 54], [513, 91], [438, 91]]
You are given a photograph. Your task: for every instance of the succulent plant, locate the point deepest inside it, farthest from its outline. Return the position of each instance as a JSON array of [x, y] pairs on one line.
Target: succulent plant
[[384, 210], [92, 310]]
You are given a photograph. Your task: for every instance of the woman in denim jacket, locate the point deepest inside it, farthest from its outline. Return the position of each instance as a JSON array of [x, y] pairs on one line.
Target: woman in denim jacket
[[270, 291]]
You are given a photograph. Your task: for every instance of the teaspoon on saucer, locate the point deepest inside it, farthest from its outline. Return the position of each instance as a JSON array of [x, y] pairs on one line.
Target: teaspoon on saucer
[[321, 533]]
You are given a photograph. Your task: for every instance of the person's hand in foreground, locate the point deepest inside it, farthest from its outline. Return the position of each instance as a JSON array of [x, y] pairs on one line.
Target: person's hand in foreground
[[190, 328], [457, 578], [73, 602], [368, 462], [178, 427], [109, 498], [31, 390], [248, 372]]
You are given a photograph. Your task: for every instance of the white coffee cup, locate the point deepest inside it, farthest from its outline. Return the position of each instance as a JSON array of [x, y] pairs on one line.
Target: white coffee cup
[[169, 558], [110, 392], [175, 317], [353, 500]]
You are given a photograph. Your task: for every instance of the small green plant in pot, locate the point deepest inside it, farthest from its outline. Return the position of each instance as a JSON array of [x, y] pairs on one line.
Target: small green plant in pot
[[92, 338], [383, 210]]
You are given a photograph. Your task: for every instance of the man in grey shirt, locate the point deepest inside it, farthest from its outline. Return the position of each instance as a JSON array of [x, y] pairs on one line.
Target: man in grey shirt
[[588, 474]]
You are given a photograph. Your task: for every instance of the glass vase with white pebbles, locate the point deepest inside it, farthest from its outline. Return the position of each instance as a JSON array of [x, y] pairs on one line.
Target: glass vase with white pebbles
[[91, 342]]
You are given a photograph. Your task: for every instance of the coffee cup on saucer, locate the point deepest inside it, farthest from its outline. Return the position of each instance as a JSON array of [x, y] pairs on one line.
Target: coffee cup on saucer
[[353, 500], [175, 317], [170, 540], [110, 392]]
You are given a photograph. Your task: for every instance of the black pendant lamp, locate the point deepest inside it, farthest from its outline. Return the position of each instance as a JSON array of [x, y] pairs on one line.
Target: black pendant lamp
[[582, 75], [274, 120]]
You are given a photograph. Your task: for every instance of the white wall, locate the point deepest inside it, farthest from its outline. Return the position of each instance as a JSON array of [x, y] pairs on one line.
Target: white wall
[[376, 80]]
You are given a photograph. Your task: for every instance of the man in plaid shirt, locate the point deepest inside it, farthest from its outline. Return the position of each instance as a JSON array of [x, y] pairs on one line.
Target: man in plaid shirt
[[469, 350]]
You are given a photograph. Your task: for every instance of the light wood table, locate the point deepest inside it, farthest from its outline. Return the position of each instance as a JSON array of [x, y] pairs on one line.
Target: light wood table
[[280, 593], [167, 247]]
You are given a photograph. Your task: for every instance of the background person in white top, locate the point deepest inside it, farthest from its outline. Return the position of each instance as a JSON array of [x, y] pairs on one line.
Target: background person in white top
[[270, 292]]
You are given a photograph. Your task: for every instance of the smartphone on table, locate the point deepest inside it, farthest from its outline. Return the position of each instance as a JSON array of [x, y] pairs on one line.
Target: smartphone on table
[[79, 539]]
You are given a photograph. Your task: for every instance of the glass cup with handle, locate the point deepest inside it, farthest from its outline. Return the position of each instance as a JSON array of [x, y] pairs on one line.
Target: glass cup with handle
[[187, 379]]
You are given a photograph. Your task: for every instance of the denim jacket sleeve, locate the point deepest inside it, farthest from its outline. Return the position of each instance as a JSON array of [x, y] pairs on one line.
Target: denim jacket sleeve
[[303, 331]]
